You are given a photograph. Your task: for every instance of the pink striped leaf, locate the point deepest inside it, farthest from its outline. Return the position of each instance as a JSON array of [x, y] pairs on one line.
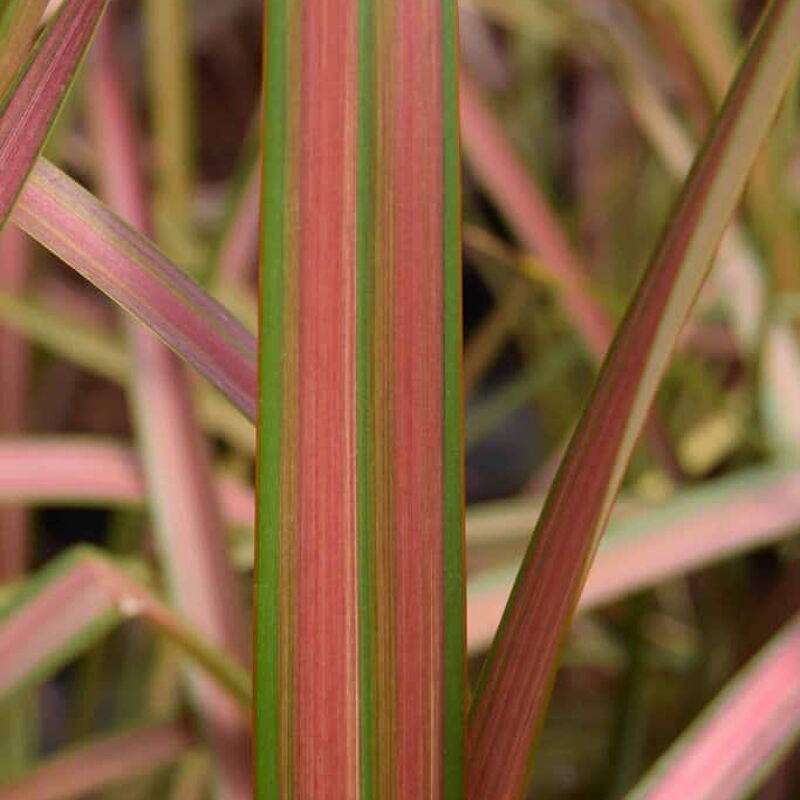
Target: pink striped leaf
[[97, 765], [359, 595], [727, 752], [644, 545], [513, 690], [90, 471], [75, 601], [84, 233], [189, 531]]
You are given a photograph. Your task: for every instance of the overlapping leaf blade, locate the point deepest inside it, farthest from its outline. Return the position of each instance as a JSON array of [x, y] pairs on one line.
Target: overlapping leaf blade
[[76, 600], [80, 230], [642, 546]]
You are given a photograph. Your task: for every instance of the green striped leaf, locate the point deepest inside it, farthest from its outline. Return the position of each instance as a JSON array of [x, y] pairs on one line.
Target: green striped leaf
[[359, 565]]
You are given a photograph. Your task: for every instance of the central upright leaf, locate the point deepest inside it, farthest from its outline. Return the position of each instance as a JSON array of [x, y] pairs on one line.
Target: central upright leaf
[[359, 585]]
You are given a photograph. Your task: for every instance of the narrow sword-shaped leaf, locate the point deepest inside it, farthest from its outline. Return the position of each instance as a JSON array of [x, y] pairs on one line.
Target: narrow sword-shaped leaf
[[644, 545], [511, 695], [727, 752], [174, 453], [73, 602], [80, 230], [89, 471], [29, 111], [359, 572], [713, 52], [91, 767]]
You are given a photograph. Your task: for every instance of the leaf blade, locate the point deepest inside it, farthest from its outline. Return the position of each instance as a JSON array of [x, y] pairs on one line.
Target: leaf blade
[[91, 471], [547, 588], [96, 765], [644, 546], [77, 599], [177, 466], [343, 334], [85, 234], [754, 719]]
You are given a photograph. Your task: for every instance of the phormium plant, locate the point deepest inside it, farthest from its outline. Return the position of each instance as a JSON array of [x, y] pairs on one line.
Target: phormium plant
[[396, 652]]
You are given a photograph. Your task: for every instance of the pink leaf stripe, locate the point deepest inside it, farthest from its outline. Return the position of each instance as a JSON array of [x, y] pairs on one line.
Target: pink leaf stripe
[[754, 720], [80, 230], [98, 765], [325, 649], [29, 112], [83, 471]]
